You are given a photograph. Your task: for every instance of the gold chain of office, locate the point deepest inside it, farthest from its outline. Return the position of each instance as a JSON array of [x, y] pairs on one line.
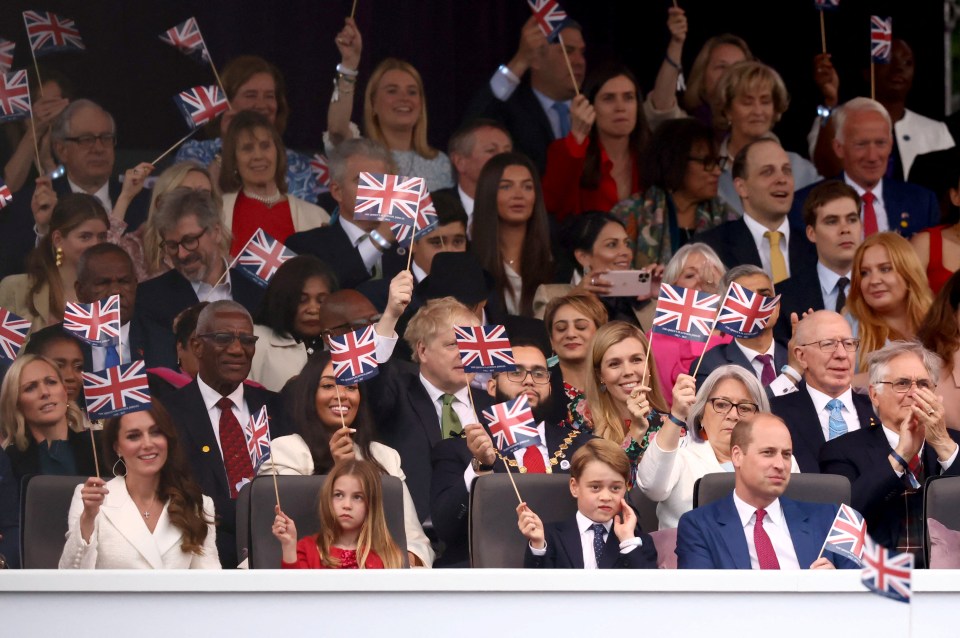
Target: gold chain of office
[[553, 461]]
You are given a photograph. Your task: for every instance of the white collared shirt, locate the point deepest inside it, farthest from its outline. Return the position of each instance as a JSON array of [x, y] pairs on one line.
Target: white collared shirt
[[369, 253], [103, 194], [502, 85], [893, 439], [98, 354], [828, 285], [419, 274], [468, 203], [763, 246], [782, 384], [775, 525], [210, 399], [586, 539], [848, 411], [461, 405], [223, 291], [469, 474], [878, 206]]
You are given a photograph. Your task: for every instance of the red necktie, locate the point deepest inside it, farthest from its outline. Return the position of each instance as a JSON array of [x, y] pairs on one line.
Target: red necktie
[[533, 460], [765, 554], [768, 375], [869, 214], [236, 458]]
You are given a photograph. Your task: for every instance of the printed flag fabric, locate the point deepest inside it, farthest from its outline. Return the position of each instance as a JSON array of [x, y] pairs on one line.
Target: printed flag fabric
[[847, 534], [886, 572], [187, 38], [551, 18], [827, 5], [6, 197], [117, 390], [392, 198], [262, 256], [257, 434], [685, 313], [881, 38], [354, 356], [14, 97], [427, 220], [484, 348], [201, 104], [97, 323], [320, 167], [745, 313], [50, 33], [7, 48], [13, 334], [512, 425]]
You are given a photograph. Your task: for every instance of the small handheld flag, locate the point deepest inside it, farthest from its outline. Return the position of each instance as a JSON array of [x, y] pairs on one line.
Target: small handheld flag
[[5, 195], [484, 348], [427, 220], [6, 54], [319, 166], [262, 256], [745, 313], [847, 534], [512, 425], [826, 5], [885, 572], [881, 39], [685, 313], [257, 434], [13, 334], [551, 18], [201, 104], [97, 323], [117, 390], [391, 198], [14, 96], [187, 38], [354, 356], [50, 33]]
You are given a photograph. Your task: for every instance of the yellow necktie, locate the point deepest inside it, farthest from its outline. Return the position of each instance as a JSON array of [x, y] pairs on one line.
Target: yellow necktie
[[777, 264]]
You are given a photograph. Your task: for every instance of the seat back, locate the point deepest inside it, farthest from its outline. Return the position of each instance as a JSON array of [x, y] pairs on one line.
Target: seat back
[[495, 540], [299, 500], [243, 523], [812, 488], [646, 510], [43, 530], [941, 501]]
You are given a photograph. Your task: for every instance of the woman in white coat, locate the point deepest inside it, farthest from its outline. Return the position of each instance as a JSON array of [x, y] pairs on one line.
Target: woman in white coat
[[151, 516]]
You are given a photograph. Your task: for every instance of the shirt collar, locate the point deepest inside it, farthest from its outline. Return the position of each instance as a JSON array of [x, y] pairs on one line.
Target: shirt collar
[[203, 286], [752, 354], [546, 102], [466, 200], [828, 278], [354, 233], [418, 273], [876, 190], [746, 511], [103, 193], [584, 523], [435, 393], [211, 396], [820, 400], [757, 229]]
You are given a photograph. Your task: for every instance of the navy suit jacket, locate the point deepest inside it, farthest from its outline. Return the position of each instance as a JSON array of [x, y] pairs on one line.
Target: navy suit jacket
[[734, 245], [712, 537], [798, 412], [731, 354], [564, 550], [904, 202], [331, 244], [9, 513]]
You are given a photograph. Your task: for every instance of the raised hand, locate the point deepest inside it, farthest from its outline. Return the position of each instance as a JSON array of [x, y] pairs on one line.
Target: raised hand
[[92, 494], [479, 444], [582, 117], [350, 44], [341, 445], [625, 522]]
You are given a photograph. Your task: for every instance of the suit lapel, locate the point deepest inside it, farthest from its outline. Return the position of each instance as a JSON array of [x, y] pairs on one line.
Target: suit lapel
[[121, 511], [421, 405], [893, 205], [779, 357], [807, 419], [742, 248], [805, 545], [533, 106], [570, 543], [865, 413], [201, 431], [730, 532], [733, 354]]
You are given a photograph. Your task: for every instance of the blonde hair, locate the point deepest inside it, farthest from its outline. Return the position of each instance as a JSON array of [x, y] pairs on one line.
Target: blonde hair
[[696, 94], [743, 76], [586, 303], [438, 315], [371, 124], [13, 426]]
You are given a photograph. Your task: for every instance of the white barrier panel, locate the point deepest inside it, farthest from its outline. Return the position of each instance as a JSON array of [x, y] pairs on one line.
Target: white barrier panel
[[461, 603]]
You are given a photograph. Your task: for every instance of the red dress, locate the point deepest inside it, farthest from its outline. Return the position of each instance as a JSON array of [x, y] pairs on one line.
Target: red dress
[[250, 214], [308, 557], [937, 275]]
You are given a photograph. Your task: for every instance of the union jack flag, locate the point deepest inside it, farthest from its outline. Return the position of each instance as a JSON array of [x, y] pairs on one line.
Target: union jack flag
[[117, 390], [262, 256], [13, 334], [257, 434], [885, 572], [685, 313], [354, 356], [97, 323], [14, 96], [484, 348], [745, 313], [827, 5], [847, 534], [550, 17], [390, 198], [5, 195], [881, 38], [427, 220], [512, 425], [201, 104], [321, 169], [186, 36], [6, 55], [50, 33]]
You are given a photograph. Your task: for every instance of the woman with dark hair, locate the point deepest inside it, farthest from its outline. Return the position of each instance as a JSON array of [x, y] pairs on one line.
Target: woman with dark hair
[[334, 424], [254, 184], [152, 515], [940, 333], [597, 163], [511, 237], [681, 168], [288, 322]]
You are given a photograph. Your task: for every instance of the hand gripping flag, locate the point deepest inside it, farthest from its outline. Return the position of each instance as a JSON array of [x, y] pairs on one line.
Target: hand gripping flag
[[848, 534], [262, 256], [551, 18], [685, 313], [257, 434], [827, 5], [6, 54], [885, 572], [97, 323], [512, 425], [5, 195], [881, 38], [49, 33], [201, 104], [117, 390], [13, 334], [390, 198], [14, 96], [187, 38], [354, 356], [427, 220], [484, 348], [745, 313]]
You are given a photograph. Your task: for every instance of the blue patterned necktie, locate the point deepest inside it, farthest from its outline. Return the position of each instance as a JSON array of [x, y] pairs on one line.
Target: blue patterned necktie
[[836, 423], [598, 530], [113, 358], [563, 111]]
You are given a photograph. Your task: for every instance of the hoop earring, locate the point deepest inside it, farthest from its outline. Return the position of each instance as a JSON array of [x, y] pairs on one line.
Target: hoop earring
[[114, 468], [58, 256]]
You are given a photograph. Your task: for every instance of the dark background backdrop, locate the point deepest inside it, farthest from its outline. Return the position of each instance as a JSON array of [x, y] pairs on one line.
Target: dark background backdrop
[[456, 45]]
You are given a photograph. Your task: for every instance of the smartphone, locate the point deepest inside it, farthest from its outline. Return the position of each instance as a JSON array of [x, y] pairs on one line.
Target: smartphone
[[629, 283]]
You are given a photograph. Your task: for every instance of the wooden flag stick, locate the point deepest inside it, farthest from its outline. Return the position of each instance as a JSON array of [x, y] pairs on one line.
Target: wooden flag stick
[[412, 237], [222, 278], [512, 482], [573, 78], [873, 80], [353, 11], [675, 5], [178, 143], [93, 446], [34, 56], [823, 33], [219, 83], [276, 488], [646, 361], [36, 145], [713, 327], [343, 424]]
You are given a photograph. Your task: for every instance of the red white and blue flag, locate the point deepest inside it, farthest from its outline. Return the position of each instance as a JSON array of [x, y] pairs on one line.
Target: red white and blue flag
[[512, 425], [319, 166], [6, 197], [354, 356], [848, 533], [551, 18], [201, 104], [427, 220], [257, 434], [50, 33], [97, 323], [885, 572], [485, 348], [6, 54], [391, 198], [881, 38], [827, 5], [117, 390], [745, 313], [187, 38], [685, 313], [262, 256], [13, 334], [14, 96]]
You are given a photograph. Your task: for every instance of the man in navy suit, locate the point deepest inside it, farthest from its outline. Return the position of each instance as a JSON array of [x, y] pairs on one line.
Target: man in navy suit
[[756, 527], [863, 142]]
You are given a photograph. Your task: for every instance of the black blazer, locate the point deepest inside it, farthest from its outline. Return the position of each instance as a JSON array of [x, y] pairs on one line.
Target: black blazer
[[798, 412], [199, 445], [799, 294], [9, 513], [27, 462], [161, 299], [450, 501], [331, 244], [564, 550], [731, 354], [734, 245]]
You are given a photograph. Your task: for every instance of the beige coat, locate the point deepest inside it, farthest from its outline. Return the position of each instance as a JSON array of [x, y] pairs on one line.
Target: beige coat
[[276, 359], [15, 297], [304, 214]]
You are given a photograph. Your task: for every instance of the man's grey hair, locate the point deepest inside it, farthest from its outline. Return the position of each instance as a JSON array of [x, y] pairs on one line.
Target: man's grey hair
[[358, 146], [723, 373], [675, 266], [181, 202], [205, 319], [857, 105], [61, 126], [743, 270], [878, 361]]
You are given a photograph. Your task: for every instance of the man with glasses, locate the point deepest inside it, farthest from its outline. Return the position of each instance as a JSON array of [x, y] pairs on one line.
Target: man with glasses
[[458, 461], [889, 461], [211, 411], [824, 406], [194, 240]]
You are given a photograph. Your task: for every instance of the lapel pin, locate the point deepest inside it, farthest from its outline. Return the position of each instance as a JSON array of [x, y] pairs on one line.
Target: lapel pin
[[564, 464], [205, 449]]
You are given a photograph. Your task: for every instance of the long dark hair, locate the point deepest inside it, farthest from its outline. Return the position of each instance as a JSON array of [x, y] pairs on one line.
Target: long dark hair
[[940, 331], [537, 266], [666, 158], [278, 310], [300, 394]]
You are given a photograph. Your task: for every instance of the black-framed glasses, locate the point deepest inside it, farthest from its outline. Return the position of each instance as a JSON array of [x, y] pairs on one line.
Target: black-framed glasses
[[710, 162], [88, 141], [189, 242], [540, 376], [350, 326], [830, 345], [722, 406], [226, 339], [902, 386]]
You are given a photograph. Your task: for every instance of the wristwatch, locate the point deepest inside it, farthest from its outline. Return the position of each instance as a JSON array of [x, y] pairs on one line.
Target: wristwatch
[[480, 467]]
